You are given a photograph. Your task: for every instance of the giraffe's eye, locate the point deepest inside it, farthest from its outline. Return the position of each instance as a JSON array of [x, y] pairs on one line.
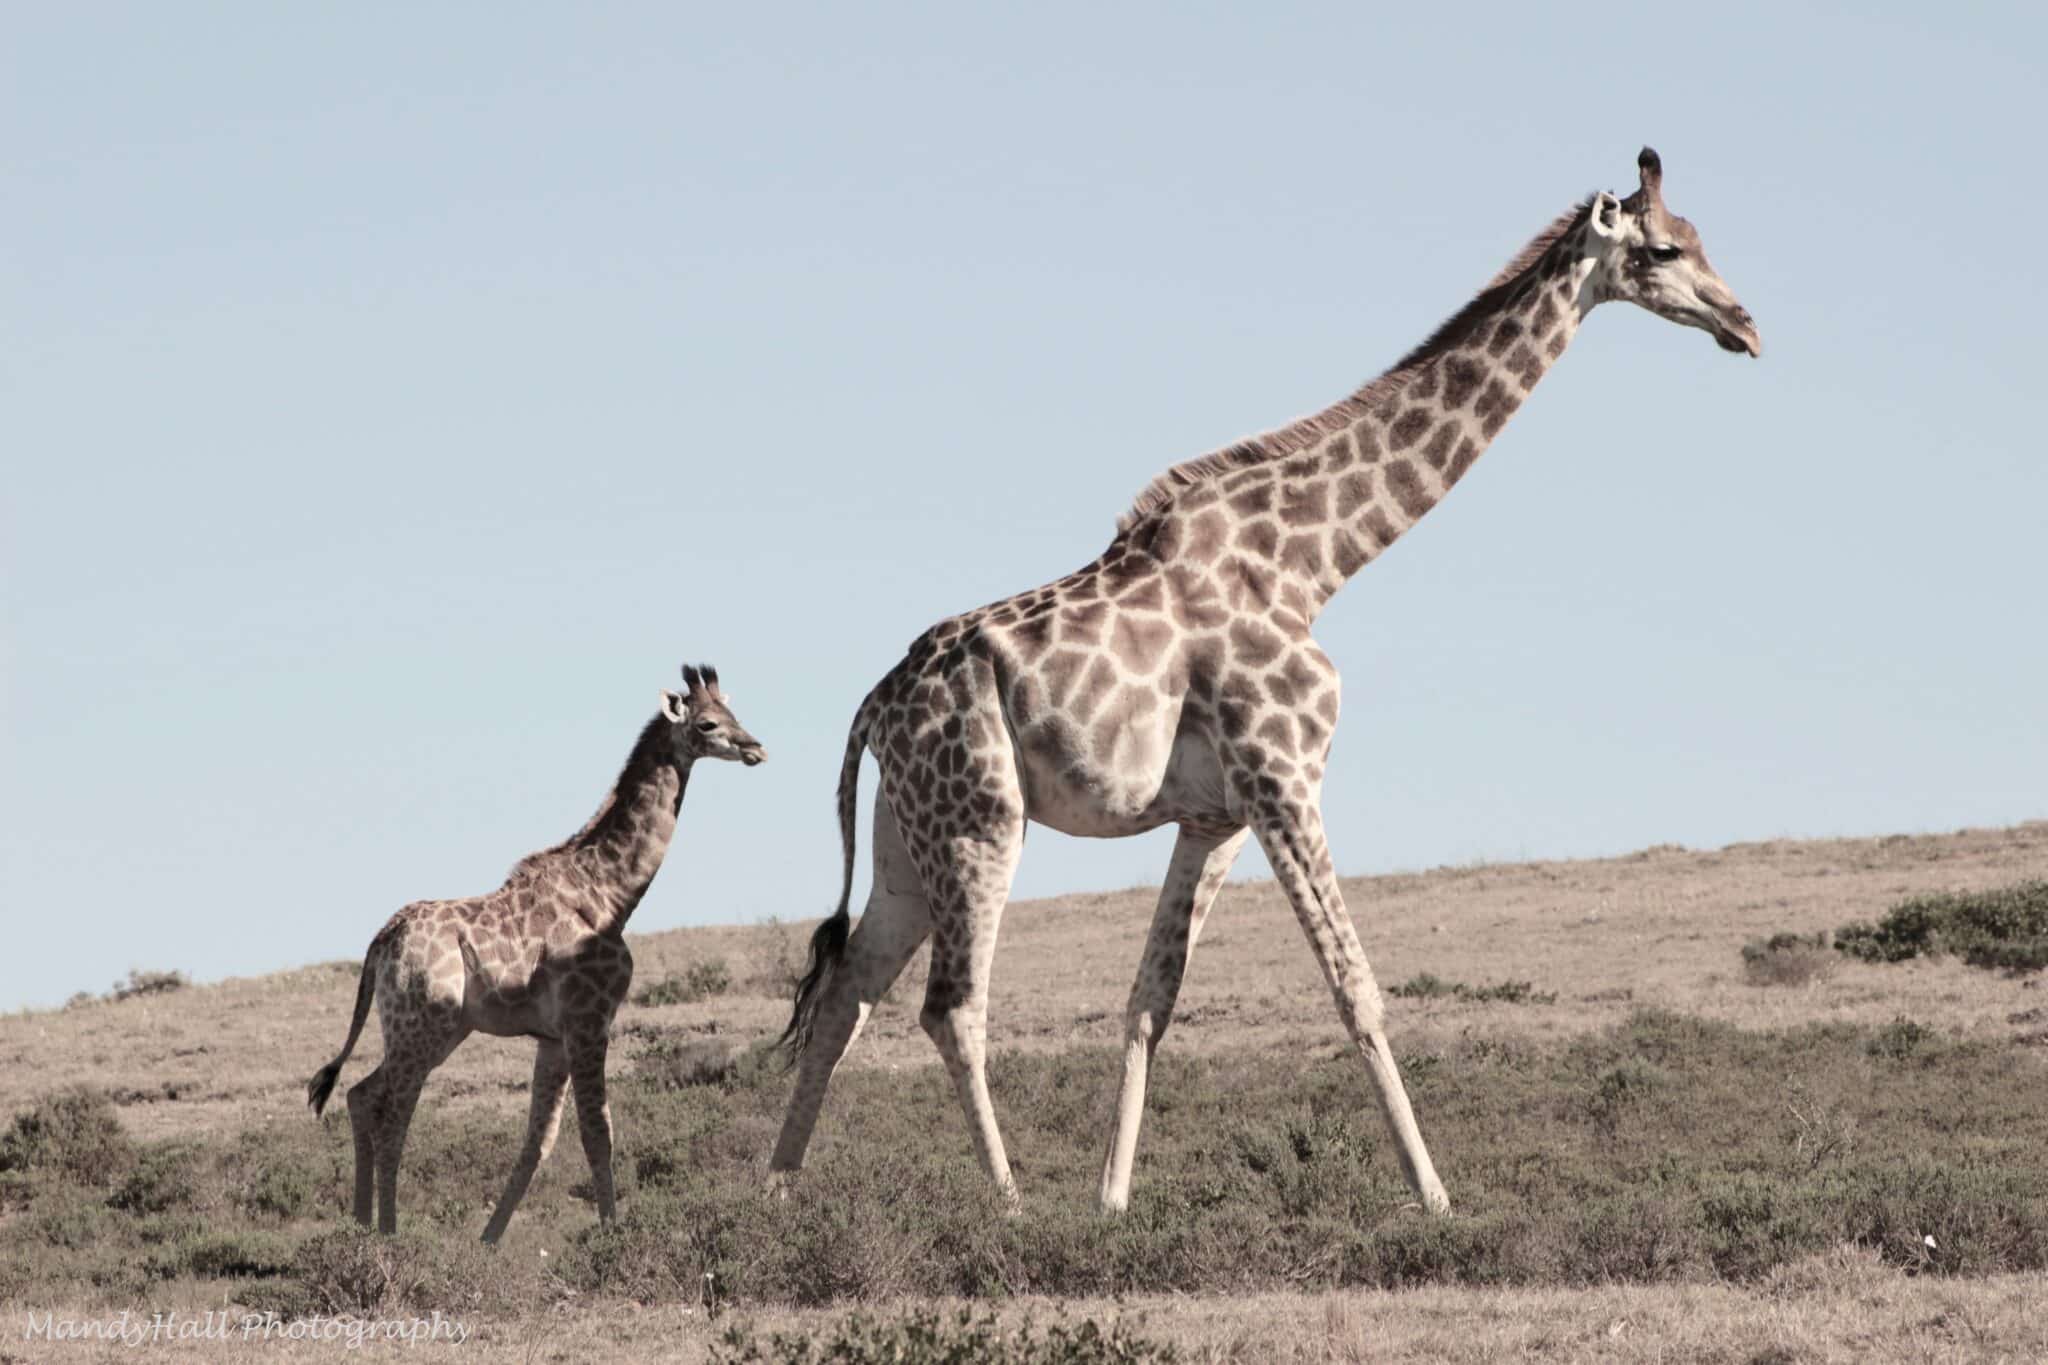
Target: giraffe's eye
[[1666, 253], [707, 726]]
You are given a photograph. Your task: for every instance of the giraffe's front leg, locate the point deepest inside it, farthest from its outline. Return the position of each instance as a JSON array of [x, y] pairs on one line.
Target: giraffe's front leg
[[544, 1116], [586, 1051], [1200, 863], [1291, 833]]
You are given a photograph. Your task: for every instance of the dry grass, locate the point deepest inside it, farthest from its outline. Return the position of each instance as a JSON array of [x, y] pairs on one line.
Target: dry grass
[[1664, 926], [226, 1063], [1838, 1307]]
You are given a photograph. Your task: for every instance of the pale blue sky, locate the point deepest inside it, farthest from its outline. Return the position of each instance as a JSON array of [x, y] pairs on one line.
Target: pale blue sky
[[396, 395]]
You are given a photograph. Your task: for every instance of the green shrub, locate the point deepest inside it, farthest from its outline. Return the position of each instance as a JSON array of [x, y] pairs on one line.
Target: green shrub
[[707, 978], [149, 983], [1754, 1222], [1899, 1039], [75, 1133], [1643, 1234], [1955, 1217], [925, 1338], [670, 1247], [281, 1189], [1428, 986], [1415, 1249], [354, 1270], [69, 1223], [1621, 1088], [292, 1169], [231, 1255], [164, 1177], [1787, 960], [679, 1064], [2004, 928]]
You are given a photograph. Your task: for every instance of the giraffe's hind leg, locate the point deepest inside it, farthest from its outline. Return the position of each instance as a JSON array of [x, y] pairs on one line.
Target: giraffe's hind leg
[[365, 1099], [1200, 863], [896, 920], [966, 865], [411, 1052], [543, 1120]]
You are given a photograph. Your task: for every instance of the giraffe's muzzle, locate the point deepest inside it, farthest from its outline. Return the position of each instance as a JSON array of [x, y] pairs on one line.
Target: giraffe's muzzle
[[1733, 328]]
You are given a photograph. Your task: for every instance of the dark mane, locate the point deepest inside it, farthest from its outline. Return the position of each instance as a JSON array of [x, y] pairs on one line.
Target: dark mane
[[1306, 431], [644, 754]]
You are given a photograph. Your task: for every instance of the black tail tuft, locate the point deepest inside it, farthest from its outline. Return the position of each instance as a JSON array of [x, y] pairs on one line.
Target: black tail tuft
[[828, 949], [828, 943], [322, 1085]]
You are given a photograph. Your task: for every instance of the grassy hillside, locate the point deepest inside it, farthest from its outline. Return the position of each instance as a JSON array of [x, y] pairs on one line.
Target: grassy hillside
[[1654, 1144]]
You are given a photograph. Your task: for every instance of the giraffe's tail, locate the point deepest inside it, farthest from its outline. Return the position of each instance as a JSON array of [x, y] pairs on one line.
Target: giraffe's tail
[[322, 1085], [828, 943]]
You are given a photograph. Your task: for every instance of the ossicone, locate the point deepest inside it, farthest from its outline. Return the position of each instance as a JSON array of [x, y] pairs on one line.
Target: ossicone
[[701, 679], [1650, 168]]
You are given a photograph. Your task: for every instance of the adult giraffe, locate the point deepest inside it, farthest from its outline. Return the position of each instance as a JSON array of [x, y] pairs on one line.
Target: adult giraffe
[[1174, 681]]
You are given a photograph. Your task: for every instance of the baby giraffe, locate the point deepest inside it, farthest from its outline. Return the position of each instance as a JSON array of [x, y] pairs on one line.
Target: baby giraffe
[[543, 956]]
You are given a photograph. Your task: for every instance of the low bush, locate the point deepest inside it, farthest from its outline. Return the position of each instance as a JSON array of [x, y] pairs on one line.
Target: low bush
[[224, 1255], [75, 1133], [148, 983], [1787, 960], [2005, 928], [164, 1177], [1899, 1039], [926, 1338], [707, 978], [354, 1270], [1427, 986], [679, 1063]]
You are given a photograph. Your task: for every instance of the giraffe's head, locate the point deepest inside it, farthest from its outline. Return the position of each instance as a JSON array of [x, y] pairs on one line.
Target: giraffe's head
[[1647, 255], [701, 722]]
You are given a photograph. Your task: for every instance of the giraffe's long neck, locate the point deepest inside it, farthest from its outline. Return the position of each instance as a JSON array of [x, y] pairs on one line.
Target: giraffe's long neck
[[617, 853], [1318, 500], [1399, 445]]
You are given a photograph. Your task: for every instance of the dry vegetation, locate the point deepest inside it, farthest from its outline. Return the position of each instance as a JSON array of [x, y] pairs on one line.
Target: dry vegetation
[[1660, 1144]]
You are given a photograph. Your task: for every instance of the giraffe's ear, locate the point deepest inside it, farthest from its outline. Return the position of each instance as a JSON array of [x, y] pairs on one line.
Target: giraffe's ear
[[674, 706], [1605, 217]]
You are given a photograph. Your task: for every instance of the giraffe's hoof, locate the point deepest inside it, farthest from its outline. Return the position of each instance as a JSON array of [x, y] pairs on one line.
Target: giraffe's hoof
[[778, 1183]]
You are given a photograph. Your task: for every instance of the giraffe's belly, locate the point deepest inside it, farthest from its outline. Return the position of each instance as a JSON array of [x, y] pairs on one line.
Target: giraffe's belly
[[1179, 781], [513, 1014], [503, 1019]]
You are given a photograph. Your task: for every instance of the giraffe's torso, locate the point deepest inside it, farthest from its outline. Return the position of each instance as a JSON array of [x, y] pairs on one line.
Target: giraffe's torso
[[1135, 692], [544, 971]]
